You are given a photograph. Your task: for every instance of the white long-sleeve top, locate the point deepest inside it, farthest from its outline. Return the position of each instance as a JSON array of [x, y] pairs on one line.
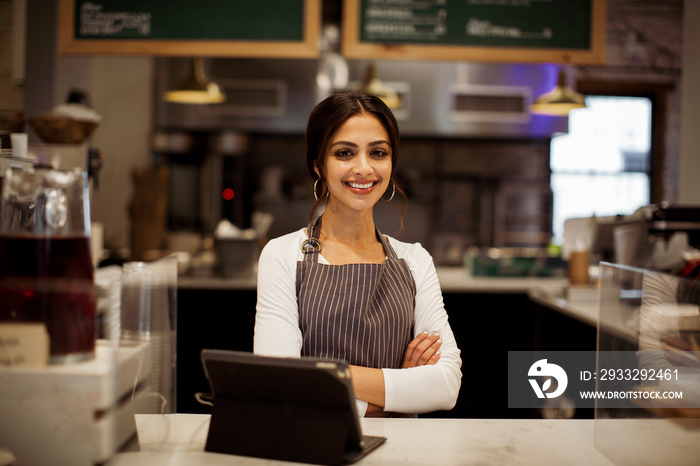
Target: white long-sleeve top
[[415, 390]]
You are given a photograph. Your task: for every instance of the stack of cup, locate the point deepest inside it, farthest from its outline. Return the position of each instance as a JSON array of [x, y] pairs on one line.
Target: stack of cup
[[148, 310]]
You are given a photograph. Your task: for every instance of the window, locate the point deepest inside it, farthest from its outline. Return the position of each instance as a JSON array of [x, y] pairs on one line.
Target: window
[[602, 166]]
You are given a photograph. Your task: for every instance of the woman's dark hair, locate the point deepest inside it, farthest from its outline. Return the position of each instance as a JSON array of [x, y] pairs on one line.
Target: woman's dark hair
[[328, 117]]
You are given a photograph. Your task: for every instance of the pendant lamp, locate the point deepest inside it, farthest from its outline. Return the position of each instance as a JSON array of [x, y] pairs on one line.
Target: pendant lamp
[[559, 101], [195, 89]]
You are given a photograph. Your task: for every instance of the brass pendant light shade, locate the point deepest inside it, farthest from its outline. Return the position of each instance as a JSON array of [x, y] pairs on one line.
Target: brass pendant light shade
[[560, 101], [195, 89]]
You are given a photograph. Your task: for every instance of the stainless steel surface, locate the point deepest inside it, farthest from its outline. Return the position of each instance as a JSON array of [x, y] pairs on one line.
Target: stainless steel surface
[[438, 98], [14, 162]]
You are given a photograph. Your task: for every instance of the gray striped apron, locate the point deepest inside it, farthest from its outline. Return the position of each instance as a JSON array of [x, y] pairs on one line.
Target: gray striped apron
[[360, 313]]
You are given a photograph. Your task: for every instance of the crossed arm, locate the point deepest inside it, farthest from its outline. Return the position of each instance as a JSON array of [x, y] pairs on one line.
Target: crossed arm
[[368, 383]]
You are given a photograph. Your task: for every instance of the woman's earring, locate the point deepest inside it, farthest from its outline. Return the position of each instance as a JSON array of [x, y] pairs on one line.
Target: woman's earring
[[328, 193], [393, 191], [315, 184]]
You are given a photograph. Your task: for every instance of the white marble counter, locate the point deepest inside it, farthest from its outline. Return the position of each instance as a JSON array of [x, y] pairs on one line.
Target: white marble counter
[[179, 440]]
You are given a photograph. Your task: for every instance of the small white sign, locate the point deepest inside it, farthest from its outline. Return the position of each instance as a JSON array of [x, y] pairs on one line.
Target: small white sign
[[23, 344]]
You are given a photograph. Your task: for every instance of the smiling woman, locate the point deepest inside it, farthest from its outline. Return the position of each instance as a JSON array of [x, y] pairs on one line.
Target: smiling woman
[[339, 289], [357, 165], [355, 113]]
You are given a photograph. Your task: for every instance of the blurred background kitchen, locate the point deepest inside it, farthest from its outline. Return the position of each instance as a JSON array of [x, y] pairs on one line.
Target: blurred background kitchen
[[486, 177], [491, 175]]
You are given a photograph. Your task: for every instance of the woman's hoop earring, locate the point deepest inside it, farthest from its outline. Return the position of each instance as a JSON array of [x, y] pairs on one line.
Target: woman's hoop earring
[[328, 193], [393, 191], [315, 184]]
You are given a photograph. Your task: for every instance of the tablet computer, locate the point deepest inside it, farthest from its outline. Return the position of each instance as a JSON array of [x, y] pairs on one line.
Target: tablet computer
[[293, 409]]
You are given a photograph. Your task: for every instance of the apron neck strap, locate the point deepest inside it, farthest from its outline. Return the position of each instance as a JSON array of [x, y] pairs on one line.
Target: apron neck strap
[[388, 250], [311, 247]]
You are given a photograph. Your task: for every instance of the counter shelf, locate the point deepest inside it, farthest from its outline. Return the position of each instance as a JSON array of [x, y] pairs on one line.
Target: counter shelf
[[81, 413]]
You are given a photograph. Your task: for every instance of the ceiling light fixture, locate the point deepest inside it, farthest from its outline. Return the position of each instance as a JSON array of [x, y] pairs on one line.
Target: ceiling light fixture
[[559, 101], [195, 89]]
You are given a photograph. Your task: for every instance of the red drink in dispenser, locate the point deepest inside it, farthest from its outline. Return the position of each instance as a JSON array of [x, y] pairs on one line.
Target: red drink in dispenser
[[49, 279], [46, 271]]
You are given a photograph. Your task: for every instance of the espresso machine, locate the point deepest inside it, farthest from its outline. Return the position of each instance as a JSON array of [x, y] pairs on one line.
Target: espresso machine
[[667, 235], [666, 220]]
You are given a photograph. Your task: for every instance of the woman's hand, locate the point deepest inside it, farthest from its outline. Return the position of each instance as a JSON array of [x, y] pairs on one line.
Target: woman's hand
[[422, 350], [375, 411]]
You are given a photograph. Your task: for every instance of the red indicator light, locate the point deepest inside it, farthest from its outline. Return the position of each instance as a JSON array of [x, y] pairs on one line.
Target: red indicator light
[[228, 194]]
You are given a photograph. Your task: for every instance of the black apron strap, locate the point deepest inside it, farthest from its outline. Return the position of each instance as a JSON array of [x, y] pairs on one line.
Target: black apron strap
[[311, 246]]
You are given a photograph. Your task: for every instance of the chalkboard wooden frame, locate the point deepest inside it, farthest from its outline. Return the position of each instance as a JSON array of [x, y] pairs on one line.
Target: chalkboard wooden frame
[[353, 47], [306, 48]]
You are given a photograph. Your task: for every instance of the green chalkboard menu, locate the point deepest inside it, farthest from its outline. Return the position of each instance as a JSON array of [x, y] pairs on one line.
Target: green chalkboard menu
[[567, 31], [234, 28]]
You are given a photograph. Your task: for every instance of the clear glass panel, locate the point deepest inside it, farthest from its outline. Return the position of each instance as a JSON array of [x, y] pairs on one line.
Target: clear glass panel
[[655, 318]]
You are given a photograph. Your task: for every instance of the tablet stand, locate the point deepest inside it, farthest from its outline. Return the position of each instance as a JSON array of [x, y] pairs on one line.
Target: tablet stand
[[278, 430]]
